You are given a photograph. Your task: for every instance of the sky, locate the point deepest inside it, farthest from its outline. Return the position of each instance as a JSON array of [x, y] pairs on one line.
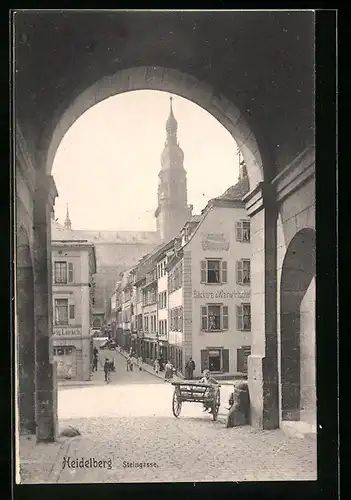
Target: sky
[[106, 166]]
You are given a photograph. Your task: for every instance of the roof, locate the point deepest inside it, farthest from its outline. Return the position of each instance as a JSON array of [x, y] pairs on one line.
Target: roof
[[236, 192]]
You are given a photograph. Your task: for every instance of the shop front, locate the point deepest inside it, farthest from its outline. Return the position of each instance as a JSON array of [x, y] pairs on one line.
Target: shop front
[[73, 353]]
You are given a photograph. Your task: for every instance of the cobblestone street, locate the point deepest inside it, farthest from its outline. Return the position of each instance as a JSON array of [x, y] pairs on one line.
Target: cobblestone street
[[130, 421]]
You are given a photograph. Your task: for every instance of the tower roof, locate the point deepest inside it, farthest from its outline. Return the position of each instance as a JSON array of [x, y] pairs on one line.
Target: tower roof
[[171, 124], [68, 223]]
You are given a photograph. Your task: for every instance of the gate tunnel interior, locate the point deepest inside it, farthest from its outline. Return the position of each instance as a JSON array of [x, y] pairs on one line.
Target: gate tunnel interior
[[296, 287], [25, 333]]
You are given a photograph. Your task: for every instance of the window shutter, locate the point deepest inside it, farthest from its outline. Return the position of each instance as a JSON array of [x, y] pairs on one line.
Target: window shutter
[[225, 318], [203, 272], [239, 233], [225, 360], [204, 318], [239, 272], [71, 311], [239, 318], [204, 360], [70, 272], [224, 271], [240, 360]]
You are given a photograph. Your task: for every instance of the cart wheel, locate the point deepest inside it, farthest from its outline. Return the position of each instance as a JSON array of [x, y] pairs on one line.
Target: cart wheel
[[176, 405], [216, 405]]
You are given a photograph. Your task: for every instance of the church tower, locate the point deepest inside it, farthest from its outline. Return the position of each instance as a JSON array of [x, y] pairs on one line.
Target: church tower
[[173, 209]]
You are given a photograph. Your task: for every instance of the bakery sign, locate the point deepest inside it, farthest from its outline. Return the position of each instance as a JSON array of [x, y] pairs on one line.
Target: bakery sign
[[215, 242], [67, 332]]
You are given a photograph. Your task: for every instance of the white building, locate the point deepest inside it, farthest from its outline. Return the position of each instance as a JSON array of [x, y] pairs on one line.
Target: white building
[[209, 288], [73, 264]]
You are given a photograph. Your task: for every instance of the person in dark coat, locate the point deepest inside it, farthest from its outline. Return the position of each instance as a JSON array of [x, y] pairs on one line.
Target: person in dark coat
[[189, 369]]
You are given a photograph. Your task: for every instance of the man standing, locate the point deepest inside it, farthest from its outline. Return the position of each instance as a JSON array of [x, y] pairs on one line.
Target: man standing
[[189, 369]]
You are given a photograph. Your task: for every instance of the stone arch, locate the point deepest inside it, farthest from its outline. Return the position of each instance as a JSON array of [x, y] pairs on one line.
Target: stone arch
[[298, 273], [25, 342], [167, 80]]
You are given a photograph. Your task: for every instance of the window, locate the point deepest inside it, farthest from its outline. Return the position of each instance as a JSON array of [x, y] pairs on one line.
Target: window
[[243, 317], [61, 311], [243, 230], [71, 311], [146, 323], [214, 317], [60, 272], [213, 271], [243, 272], [162, 300], [215, 360], [175, 277], [176, 319]]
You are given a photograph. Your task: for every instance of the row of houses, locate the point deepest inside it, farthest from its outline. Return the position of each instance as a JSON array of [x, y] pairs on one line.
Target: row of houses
[[191, 297]]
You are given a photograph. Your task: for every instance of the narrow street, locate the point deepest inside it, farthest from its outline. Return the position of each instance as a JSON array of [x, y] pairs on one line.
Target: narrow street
[[129, 422]]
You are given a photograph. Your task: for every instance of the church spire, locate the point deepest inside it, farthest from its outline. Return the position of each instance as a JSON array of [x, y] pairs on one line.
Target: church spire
[[68, 223], [171, 124]]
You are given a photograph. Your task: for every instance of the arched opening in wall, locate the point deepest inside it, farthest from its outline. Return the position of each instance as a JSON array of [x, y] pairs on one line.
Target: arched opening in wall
[[166, 80], [25, 344], [297, 320], [204, 160]]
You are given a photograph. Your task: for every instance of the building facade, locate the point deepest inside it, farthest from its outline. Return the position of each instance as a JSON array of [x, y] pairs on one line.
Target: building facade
[[74, 265], [173, 209], [209, 290]]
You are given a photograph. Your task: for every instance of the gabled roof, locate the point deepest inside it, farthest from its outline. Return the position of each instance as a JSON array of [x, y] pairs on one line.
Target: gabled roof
[[236, 192], [232, 198]]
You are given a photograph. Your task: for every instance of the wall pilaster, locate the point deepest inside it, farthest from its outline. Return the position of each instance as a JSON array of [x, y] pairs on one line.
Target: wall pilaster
[[46, 416], [263, 361]]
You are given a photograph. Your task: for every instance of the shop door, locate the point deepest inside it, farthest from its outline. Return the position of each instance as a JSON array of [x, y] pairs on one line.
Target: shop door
[[66, 361]]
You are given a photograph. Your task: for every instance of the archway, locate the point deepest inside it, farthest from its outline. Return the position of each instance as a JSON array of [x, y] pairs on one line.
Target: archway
[[25, 344], [167, 80], [297, 304]]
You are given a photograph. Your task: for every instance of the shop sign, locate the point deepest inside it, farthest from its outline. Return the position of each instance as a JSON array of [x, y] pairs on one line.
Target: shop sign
[[215, 242], [221, 294], [67, 332]]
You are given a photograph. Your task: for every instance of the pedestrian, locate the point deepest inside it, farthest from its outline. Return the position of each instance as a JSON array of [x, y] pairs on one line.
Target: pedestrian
[[161, 363], [95, 351], [168, 371], [128, 364], [140, 362], [208, 380], [107, 366], [156, 365], [95, 363], [131, 363], [189, 369]]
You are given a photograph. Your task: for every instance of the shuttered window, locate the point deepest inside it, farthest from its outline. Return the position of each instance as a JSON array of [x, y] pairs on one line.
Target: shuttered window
[[213, 271], [243, 272], [214, 317], [242, 231], [243, 317]]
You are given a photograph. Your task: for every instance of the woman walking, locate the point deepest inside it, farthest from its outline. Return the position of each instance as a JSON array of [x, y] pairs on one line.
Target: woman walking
[[168, 371], [156, 365]]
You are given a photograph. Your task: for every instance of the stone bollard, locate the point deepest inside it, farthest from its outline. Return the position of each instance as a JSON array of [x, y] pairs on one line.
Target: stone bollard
[[239, 413]]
